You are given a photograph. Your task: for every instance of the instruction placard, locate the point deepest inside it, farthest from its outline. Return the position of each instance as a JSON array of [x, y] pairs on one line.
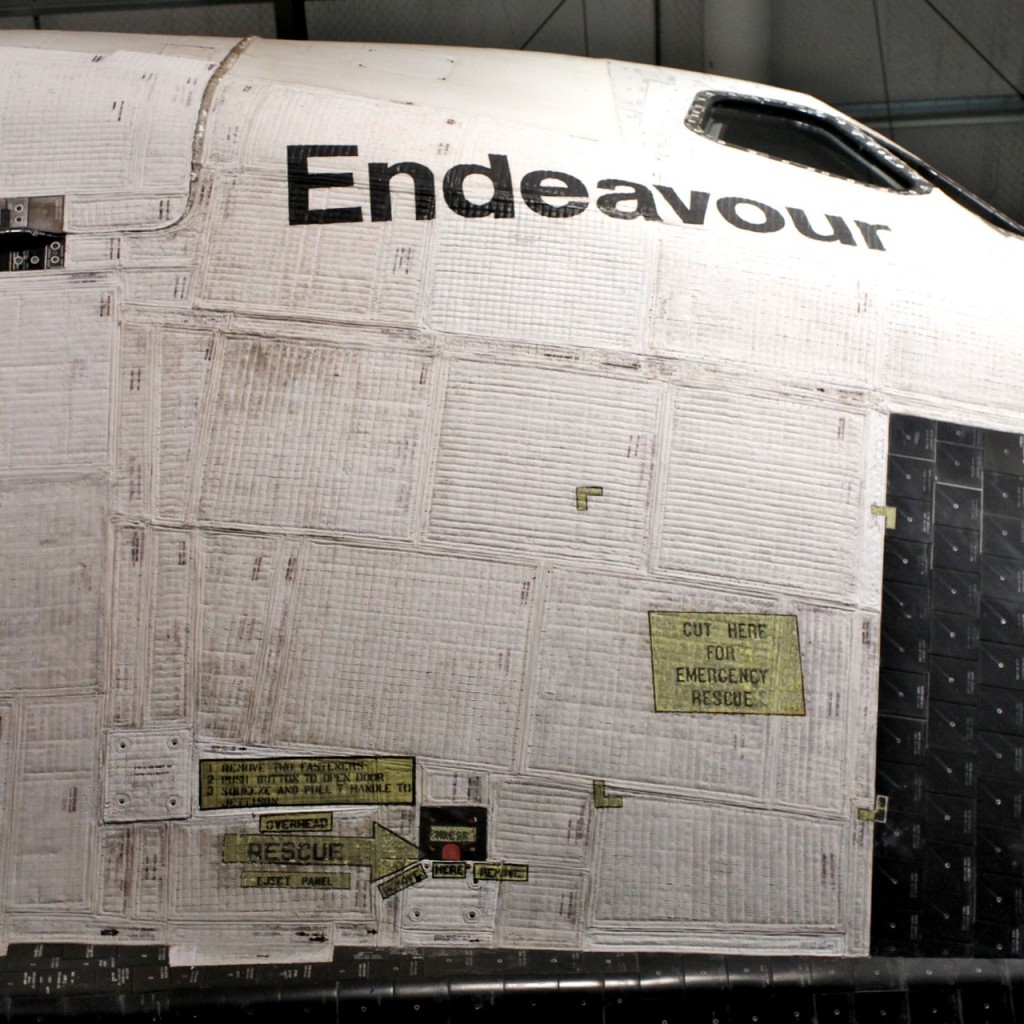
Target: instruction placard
[[303, 781], [726, 663]]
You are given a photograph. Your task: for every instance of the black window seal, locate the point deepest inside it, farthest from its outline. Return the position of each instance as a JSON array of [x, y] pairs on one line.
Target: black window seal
[[860, 141], [954, 190]]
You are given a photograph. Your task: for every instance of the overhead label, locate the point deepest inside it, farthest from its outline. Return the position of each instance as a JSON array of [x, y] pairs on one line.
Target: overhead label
[[295, 781], [726, 663], [323, 822]]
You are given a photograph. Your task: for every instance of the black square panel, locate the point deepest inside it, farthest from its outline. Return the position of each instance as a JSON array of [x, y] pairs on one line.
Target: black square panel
[[901, 739], [957, 506], [910, 478], [1001, 711], [1000, 803], [903, 693], [953, 679], [1003, 537], [950, 726], [954, 636], [1000, 757], [950, 819], [1002, 578], [1004, 495], [907, 561], [953, 591], [957, 433], [1004, 453], [950, 771], [913, 435], [914, 520], [1000, 665], [955, 464], [954, 548]]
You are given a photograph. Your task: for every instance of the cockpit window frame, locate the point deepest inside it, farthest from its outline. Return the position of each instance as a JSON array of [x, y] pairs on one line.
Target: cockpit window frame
[[846, 132]]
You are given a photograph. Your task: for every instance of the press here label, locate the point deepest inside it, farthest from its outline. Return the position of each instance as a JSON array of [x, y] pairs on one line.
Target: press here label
[[726, 663]]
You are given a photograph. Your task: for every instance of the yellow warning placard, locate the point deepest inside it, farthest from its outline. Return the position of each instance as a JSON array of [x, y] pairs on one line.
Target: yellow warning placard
[[296, 781], [296, 880], [726, 663], [322, 821]]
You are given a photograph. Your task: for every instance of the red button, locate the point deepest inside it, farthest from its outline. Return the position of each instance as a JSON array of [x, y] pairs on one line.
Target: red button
[[451, 851]]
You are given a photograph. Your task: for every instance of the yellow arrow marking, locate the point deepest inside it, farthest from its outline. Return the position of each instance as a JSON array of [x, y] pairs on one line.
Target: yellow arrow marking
[[384, 854]]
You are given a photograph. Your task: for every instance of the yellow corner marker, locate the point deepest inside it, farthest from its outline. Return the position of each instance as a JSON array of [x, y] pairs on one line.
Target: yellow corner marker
[[583, 494], [889, 511], [602, 799]]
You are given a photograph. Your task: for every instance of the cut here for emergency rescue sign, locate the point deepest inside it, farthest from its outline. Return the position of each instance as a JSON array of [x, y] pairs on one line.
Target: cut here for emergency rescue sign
[[726, 663]]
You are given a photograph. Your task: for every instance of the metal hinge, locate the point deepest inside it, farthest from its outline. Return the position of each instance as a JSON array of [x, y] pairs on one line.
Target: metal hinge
[[32, 233]]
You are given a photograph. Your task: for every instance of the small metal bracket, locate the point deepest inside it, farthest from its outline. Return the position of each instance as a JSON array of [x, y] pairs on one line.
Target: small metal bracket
[[889, 511], [32, 233], [878, 814]]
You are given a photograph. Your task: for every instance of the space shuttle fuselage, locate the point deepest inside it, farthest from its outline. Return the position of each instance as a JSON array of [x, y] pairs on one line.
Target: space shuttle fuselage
[[443, 494]]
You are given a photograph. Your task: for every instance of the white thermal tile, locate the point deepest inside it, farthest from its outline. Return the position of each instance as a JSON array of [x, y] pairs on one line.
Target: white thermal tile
[[55, 382], [135, 392], [121, 122], [358, 273], [765, 489], [406, 654], [517, 443], [51, 609], [184, 359], [812, 764], [113, 850], [167, 697], [52, 835], [149, 872], [546, 911], [782, 315], [315, 437], [238, 583], [129, 658], [541, 280], [532, 822], [676, 865]]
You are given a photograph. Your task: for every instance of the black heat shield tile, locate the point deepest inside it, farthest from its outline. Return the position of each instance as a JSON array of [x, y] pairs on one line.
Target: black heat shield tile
[[949, 861], [914, 520], [957, 506], [1004, 453], [950, 727], [1001, 665], [913, 436], [903, 693], [958, 465], [1003, 537], [1000, 804], [953, 679], [1004, 495], [907, 561], [1002, 578], [958, 592], [1001, 710], [956, 548], [910, 478]]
